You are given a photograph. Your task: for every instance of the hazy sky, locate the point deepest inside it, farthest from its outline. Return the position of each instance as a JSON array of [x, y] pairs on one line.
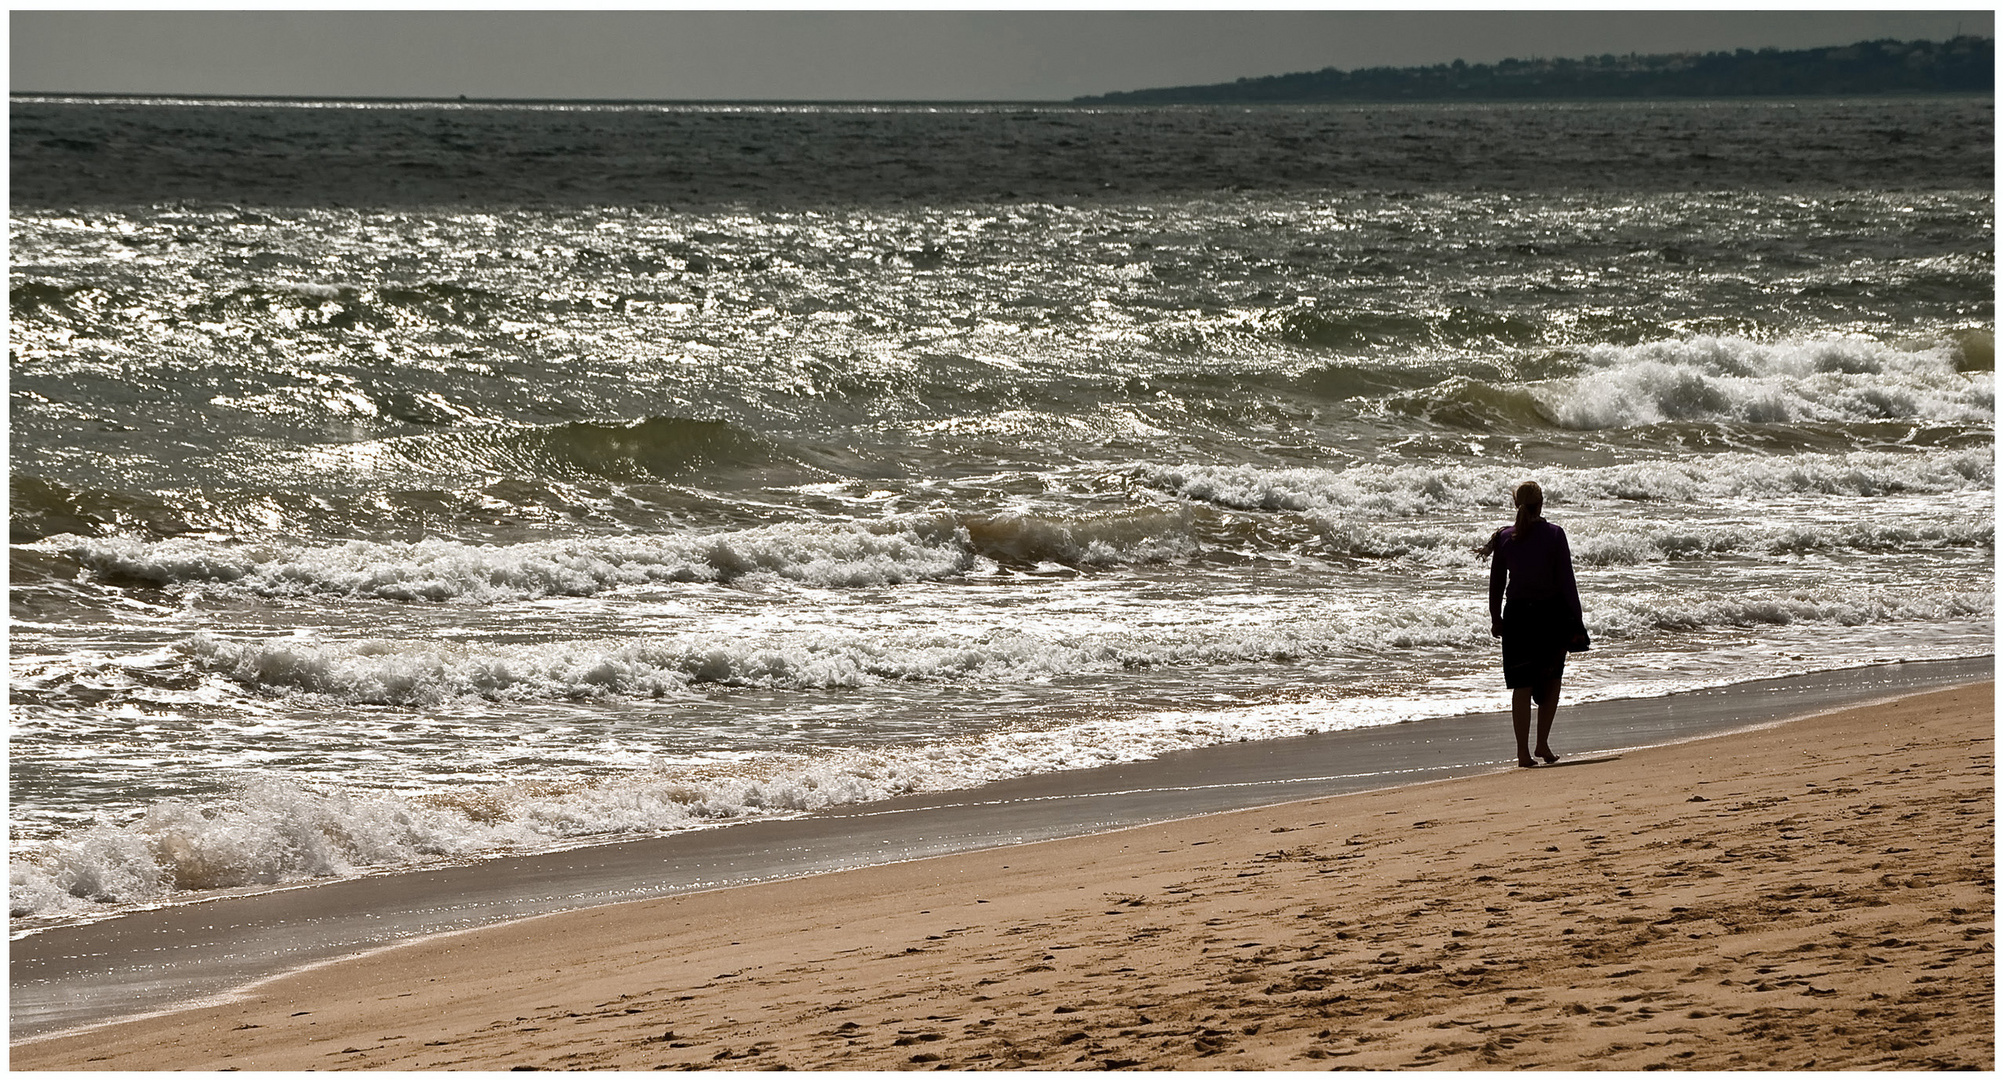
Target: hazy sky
[[846, 55]]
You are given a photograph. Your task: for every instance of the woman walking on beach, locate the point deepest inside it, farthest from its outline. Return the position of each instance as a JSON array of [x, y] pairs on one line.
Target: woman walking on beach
[[1541, 621]]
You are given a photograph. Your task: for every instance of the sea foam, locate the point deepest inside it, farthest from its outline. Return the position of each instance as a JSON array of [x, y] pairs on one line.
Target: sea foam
[[924, 547], [425, 672], [1398, 491], [272, 832], [1843, 379], [1611, 539]]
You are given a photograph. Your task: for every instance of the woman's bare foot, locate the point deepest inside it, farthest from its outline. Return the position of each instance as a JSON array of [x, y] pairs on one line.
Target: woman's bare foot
[[1545, 753], [1525, 763]]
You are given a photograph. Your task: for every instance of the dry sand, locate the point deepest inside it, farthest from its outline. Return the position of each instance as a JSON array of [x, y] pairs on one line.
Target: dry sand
[[1818, 894]]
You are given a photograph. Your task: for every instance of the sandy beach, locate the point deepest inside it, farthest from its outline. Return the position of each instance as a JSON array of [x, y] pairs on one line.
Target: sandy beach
[[1814, 894]]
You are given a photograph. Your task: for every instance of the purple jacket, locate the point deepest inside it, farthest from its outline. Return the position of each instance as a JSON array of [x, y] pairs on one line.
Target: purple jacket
[[1535, 565]]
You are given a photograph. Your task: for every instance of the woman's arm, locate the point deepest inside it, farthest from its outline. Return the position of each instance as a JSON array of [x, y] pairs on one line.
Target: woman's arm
[[1498, 573], [1568, 584]]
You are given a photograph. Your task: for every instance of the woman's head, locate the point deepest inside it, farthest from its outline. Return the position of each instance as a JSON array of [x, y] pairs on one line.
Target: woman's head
[[1529, 503]]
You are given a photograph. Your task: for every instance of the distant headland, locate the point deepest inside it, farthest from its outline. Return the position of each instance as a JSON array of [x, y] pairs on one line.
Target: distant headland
[[1963, 64]]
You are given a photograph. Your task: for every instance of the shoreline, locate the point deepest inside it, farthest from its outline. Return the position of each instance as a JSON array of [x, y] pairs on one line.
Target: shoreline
[[1667, 910], [89, 973]]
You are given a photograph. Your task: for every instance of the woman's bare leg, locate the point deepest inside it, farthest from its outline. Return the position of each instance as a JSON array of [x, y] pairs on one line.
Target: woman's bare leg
[[1547, 710], [1519, 712]]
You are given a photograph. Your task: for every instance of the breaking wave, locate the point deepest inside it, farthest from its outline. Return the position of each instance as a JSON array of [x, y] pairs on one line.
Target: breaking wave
[[920, 548], [1611, 541], [1839, 380], [422, 673], [1410, 490]]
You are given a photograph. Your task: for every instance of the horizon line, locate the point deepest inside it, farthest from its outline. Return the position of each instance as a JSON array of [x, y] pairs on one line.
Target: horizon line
[[463, 99], [1092, 101]]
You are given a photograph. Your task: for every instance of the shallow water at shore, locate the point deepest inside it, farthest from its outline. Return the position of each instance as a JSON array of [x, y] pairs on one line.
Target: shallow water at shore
[[72, 974]]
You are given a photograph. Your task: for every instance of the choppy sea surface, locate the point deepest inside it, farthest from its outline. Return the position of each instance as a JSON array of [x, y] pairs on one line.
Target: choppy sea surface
[[402, 483]]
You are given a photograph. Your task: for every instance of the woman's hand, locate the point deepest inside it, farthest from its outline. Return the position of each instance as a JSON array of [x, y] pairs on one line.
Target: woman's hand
[[1495, 625]]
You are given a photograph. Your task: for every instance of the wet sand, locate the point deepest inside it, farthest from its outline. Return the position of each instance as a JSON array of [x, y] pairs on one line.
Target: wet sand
[[1814, 894]]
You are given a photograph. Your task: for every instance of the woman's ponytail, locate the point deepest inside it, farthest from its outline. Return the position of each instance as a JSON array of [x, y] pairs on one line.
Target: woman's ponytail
[[1529, 505]]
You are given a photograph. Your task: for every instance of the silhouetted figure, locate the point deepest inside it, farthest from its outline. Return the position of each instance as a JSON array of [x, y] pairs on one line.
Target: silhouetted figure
[[1541, 619]]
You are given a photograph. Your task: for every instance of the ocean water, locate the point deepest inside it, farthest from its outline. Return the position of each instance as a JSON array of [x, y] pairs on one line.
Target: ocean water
[[397, 483]]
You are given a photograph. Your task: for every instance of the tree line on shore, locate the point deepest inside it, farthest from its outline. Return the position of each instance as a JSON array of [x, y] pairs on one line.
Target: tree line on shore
[[1964, 64]]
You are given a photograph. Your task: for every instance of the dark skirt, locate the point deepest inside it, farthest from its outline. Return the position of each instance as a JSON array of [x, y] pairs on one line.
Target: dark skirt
[[1534, 639]]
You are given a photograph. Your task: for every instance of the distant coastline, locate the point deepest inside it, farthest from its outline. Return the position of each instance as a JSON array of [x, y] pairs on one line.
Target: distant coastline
[[1964, 64]]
